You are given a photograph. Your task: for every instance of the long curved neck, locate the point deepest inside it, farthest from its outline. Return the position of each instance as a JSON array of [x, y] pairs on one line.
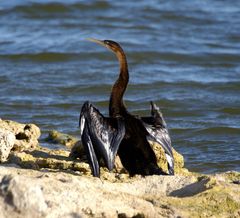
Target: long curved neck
[[116, 106]]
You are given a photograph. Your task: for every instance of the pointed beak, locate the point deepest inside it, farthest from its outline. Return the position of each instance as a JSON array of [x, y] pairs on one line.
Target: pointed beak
[[96, 41]]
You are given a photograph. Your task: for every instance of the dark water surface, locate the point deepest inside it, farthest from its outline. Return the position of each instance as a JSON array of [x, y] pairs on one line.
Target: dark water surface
[[184, 55]]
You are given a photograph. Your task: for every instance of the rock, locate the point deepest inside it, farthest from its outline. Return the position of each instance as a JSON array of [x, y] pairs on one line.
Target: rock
[[162, 161], [65, 194], [30, 159], [26, 134], [61, 186], [218, 197], [23, 197], [77, 150], [47, 158], [62, 138], [55, 160], [7, 140]]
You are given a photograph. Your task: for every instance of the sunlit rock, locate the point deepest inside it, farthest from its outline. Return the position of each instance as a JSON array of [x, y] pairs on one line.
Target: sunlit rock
[[23, 197], [45, 193], [61, 138], [162, 161], [26, 134], [7, 140]]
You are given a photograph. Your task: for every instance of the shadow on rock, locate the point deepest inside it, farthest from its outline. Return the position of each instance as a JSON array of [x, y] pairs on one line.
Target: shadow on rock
[[192, 189]]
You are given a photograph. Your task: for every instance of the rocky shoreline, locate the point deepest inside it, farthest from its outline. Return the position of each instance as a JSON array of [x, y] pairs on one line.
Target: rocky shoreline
[[42, 182]]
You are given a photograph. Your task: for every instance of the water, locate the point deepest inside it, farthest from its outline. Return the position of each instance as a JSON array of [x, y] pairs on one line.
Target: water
[[184, 55]]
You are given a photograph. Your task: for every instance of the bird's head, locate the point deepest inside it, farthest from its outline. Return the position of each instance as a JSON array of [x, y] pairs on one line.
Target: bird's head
[[111, 45]]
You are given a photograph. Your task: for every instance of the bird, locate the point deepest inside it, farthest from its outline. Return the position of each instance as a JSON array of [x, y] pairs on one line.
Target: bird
[[122, 133]]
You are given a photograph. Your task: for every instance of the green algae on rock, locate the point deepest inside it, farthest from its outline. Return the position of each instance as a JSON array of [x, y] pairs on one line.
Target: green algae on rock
[[62, 138], [220, 198], [59, 160], [47, 158], [162, 161]]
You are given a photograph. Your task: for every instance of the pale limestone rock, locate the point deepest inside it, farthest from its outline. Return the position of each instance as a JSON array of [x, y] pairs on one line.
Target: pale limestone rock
[[7, 140], [25, 198], [65, 194], [26, 134]]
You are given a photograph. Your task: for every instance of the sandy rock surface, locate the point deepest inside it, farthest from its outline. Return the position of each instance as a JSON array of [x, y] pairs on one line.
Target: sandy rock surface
[[43, 182], [45, 193]]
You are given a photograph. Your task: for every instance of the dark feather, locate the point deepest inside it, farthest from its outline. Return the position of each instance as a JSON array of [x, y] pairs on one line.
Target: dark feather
[[158, 132], [101, 136]]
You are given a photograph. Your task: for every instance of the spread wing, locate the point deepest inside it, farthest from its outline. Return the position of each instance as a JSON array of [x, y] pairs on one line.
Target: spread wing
[[100, 136], [158, 132]]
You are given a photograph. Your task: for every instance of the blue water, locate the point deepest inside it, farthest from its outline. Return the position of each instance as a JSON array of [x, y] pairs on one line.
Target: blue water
[[184, 55]]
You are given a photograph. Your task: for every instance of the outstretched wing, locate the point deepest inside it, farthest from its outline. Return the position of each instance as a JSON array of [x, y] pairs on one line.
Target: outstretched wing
[[158, 132], [100, 136]]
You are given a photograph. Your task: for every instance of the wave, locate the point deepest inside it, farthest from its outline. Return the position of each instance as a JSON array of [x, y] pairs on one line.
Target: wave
[[231, 110], [3, 79], [57, 56], [221, 130], [54, 7], [190, 58], [42, 57], [201, 59]]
